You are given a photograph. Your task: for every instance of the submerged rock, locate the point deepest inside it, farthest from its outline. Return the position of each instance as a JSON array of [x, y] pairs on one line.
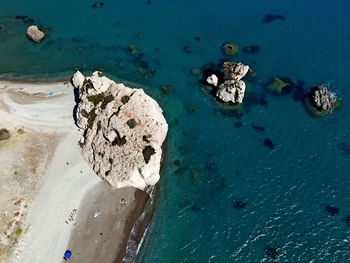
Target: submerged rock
[[4, 134], [114, 121], [252, 49], [268, 143], [322, 99], [230, 48], [332, 210], [277, 86], [35, 34], [272, 17], [239, 204], [347, 220], [97, 5], [271, 252], [233, 88]]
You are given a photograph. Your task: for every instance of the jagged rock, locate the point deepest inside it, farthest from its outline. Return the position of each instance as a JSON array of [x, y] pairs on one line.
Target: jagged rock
[[323, 100], [231, 91], [212, 80], [234, 71], [35, 34], [114, 120], [233, 88]]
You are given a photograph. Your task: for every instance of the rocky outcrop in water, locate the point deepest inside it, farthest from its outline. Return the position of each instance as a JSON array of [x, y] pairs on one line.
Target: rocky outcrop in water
[[35, 34], [213, 80], [122, 130], [233, 88], [322, 99]]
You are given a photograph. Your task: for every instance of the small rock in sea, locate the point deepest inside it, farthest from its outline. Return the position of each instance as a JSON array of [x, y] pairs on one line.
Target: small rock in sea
[[332, 210], [197, 39], [269, 144], [239, 204], [347, 220], [212, 80], [35, 34], [344, 147], [257, 128], [187, 49], [252, 49], [271, 252], [230, 48], [196, 208], [4, 134], [322, 100], [97, 5], [271, 17]]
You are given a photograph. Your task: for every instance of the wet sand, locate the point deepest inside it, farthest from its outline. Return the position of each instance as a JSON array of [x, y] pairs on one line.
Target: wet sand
[[104, 223]]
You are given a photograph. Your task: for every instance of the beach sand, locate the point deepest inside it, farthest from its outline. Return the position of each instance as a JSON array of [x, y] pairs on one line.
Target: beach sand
[[51, 199]]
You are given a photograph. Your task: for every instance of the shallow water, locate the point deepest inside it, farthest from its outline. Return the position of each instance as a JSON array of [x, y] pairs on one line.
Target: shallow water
[[285, 189]]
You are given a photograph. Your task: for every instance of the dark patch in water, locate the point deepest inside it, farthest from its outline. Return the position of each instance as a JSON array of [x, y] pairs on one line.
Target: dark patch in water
[[196, 208], [257, 128], [268, 18], [180, 171], [97, 5], [254, 99], [149, 2], [268, 143], [238, 124], [344, 148], [197, 39], [25, 19], [347, 220], [332, 210], [271, 252], [187, 49], [252, 49], [239, 204], [233, 113]]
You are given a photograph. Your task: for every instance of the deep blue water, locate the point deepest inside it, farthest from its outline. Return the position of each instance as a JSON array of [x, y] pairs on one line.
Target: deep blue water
[[285, 189]]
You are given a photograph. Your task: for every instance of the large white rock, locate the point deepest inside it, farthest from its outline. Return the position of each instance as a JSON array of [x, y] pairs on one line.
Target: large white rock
[[123, 130], [35, 34], [231, 91], [234, 70]]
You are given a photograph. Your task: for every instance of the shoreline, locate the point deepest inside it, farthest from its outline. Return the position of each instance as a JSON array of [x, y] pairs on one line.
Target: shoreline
[[64, 125]]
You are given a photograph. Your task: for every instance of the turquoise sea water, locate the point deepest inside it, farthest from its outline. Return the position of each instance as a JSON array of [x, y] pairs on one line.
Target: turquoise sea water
[[222, 159]]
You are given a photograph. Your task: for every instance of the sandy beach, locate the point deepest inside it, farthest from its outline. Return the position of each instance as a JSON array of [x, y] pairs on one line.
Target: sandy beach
[[51, 199]]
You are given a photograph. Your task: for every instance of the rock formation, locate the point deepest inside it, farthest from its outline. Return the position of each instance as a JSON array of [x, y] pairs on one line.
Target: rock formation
[[4, 134], [35, 34], [213, 80], [233, 88], [322, 99], [122, 131]]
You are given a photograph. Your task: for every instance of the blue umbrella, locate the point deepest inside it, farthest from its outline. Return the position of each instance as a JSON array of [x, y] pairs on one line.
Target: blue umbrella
[[67, 254]]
